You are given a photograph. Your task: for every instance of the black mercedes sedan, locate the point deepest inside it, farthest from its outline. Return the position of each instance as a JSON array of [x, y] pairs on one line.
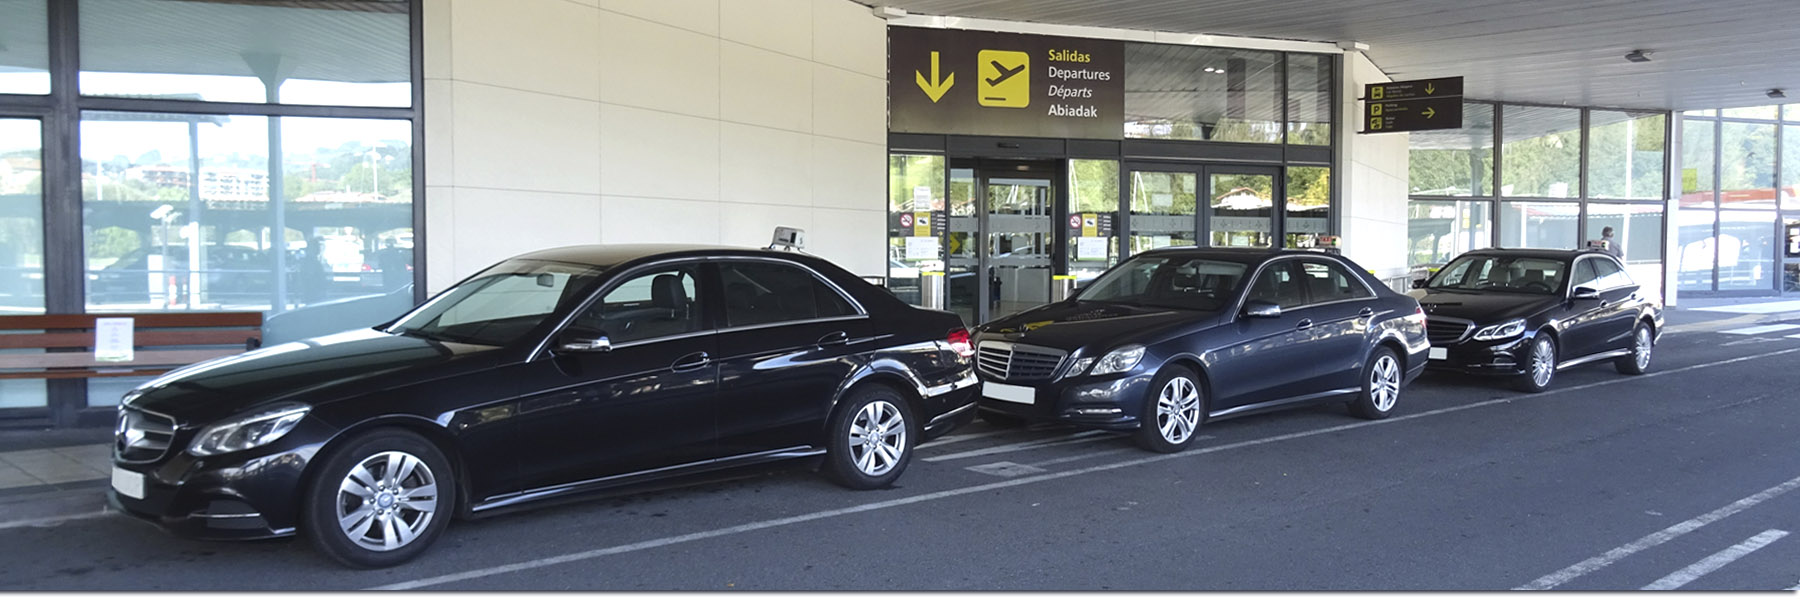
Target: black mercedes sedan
[[1526, 314], [549, 374], [1175, 337]]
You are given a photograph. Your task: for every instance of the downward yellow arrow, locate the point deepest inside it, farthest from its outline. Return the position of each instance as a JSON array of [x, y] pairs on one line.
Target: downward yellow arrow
[[935, 88], [1430, 112], [1430, 87]]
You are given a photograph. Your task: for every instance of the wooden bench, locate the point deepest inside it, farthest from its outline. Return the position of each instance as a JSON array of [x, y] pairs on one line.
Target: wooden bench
[[161, 342]]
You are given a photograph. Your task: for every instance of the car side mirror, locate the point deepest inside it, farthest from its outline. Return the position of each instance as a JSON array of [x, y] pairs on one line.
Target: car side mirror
[[1586, 293], [583, 341], [1419, 284], [1262, 309]]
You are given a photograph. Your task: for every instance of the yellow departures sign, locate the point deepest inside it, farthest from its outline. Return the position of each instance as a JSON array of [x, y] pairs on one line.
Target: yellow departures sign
[[935, 87]]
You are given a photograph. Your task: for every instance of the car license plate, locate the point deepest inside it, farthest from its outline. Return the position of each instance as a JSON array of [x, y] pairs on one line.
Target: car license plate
[[1009, 393], [1440, 353], [128, 483]]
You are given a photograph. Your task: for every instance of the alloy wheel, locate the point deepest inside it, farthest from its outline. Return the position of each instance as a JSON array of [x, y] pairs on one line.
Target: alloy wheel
[[1178, 410], [877, 438], [1543, 362], [1641, 351], [387, 501], [1384, 383]]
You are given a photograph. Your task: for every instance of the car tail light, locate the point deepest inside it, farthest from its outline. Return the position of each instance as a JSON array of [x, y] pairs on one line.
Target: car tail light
[[959, 342], [1419, 314]]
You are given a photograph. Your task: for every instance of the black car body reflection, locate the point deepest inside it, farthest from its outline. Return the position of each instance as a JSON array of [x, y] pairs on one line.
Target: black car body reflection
[[1526, 313], [1177, 336], [553, 373]]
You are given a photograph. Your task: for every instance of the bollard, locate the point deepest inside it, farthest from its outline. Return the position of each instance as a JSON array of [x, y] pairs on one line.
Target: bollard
[[1062, 287], [931, 290]]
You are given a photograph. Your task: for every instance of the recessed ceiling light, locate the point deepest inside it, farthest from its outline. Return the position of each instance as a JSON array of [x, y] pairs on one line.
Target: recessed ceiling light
[[1638, 56], [1777, 93]]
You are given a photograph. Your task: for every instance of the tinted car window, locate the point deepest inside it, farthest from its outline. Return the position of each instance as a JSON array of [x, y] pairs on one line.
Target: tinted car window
[[1279, 284], [652, 304], [1610, 275], [1329, 282], [1188, 283], [498, 306], [1585, 273], [766, 292], [1503, 273]]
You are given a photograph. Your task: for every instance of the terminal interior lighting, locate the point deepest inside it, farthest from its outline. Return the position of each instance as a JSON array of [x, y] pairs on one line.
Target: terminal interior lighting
[[1638, 56]]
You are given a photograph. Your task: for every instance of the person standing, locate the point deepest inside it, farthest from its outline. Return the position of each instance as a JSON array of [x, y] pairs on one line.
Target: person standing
[[1612, 244]]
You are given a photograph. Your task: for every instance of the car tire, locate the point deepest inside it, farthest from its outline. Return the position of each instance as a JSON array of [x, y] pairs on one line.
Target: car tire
[[860, 461], [1642, 342], [1382, 378], [365, 507], [1174, 407], [1540, 365], [1001, 420]]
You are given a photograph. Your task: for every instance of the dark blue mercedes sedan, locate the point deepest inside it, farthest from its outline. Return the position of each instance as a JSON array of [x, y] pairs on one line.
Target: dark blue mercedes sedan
[[1178, 336]]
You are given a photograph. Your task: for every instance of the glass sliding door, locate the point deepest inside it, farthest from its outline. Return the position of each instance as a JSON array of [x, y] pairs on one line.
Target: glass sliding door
[[21, 241], [1242, 206], [1163, 205], [962, 261], [1019, 239]]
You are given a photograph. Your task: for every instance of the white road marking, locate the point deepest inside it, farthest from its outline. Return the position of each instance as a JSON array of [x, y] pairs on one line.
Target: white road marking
[[1077, 438], [1083, 456], [1762, 329], [50, 521], [1795, 336], [976, 489], [1656, 539], [954, 438], [1715, 562], [1759, 309], [1005, 469]]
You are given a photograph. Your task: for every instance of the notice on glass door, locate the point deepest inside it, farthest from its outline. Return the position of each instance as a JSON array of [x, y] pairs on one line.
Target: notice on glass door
[[921, 248], [112, 339], [1090, 248]]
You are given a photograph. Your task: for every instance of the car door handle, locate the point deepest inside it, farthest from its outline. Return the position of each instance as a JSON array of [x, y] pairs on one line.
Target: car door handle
[[691, 362], [1304, 324], [834, 338], [1366, 312]]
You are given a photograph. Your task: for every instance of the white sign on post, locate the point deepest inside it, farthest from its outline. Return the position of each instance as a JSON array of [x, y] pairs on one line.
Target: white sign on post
[[921, 248], [112, 339], [1091, 248]]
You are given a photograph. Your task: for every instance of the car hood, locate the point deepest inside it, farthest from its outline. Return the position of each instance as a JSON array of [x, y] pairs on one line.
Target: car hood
[[313, 371], [1482, 307], [1071, 325]]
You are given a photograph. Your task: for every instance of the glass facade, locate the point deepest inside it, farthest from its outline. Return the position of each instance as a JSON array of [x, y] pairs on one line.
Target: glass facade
[[1226, 147], [1560, 178], [1737, 235], [190, 197]]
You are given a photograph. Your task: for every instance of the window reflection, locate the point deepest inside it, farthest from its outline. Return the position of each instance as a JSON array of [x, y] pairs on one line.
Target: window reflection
[[24, 47], [344, 53], [1242, 205], [1438, 231], [1539, 224], [1542, 153], [1455, 162], [182, 212], [1625, 155], [1195, 93]]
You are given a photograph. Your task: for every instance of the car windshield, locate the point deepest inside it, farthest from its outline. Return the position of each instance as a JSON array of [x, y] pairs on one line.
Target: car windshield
[[1169, 282], [1503, 274], [501, 304]]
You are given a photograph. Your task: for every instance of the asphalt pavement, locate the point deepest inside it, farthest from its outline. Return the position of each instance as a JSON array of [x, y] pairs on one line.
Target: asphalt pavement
[[1685, 478]]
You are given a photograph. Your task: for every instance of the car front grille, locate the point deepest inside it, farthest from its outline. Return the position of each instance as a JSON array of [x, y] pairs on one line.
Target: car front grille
[[141, 436], [1018, 362], [1443, 331]]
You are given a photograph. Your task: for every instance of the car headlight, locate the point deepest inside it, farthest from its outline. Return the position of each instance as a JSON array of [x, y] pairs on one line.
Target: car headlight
[[1120, 360], [1502, 331], [1080, 364], [248, 432]]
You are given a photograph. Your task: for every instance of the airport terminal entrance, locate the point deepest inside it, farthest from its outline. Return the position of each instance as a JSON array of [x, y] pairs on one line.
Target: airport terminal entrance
[[1000, 237]]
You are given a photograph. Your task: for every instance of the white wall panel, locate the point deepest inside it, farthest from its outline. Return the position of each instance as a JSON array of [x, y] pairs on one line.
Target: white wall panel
[[850, 175], [440, 219], [784, 26], [843, 236], [841, 34], [760, 87], [495, 224], [849, 105], [508, 139], [651, 65], [544, 46], [693, 15], [765, 166], [651, 154], [754, 224], [626, 220]]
